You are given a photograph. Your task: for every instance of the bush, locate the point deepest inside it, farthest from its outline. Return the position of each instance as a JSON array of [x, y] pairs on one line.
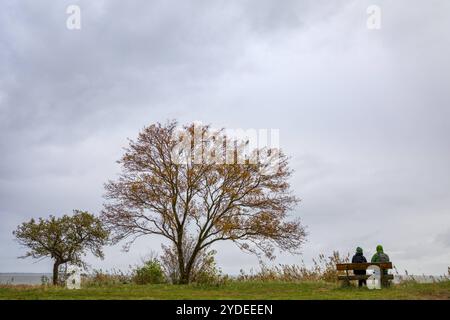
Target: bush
[[100, 278], [150, 273], [45, 281], [207, 272]]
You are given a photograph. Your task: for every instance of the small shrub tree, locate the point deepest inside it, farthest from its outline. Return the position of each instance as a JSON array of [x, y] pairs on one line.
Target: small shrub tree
[[65, 239]]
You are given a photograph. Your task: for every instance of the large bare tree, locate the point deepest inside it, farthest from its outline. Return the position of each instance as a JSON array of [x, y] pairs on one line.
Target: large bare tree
[[195, 196]]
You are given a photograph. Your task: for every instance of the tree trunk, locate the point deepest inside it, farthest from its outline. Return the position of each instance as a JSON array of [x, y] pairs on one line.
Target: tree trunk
[[185, 277], [181, 267], [56, 272]]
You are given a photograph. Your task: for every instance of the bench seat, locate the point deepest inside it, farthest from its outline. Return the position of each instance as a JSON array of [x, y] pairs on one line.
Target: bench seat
[[363, 277], [362, 266]]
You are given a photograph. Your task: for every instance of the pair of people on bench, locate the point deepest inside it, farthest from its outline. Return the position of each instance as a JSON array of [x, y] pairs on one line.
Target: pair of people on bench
[[379, 256]]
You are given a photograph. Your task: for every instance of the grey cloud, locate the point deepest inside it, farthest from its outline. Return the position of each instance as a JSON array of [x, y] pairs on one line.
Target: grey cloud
[[444, 239], [363, 114]]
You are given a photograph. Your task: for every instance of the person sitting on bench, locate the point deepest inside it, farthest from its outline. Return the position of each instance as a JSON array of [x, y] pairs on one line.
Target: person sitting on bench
[[359, 258], [380, 256]]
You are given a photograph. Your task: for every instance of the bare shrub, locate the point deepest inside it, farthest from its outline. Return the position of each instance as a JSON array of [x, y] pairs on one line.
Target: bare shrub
[[408, 279], [106, 278], [323, 269]]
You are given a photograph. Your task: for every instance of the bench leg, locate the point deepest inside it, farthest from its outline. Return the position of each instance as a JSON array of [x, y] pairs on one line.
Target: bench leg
[[385, 283], [345, 283]]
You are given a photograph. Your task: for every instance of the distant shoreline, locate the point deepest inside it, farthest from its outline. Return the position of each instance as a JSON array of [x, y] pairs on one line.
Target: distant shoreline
[[24, 274], [35, 278], [19, 278]]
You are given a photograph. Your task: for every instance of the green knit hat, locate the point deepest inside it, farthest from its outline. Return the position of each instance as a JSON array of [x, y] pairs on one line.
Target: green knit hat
[[359, 250]]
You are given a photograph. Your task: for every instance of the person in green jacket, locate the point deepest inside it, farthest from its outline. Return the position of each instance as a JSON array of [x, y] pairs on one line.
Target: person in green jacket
[[380, 256]]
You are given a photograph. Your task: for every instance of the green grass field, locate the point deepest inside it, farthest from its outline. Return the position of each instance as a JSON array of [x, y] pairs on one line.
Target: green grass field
[[233, 290]]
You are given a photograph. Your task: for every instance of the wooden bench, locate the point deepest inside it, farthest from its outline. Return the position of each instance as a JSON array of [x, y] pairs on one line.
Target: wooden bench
[[384, 278]]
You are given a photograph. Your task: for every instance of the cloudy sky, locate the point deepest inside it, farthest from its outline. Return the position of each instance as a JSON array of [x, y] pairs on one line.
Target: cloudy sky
[[363, 113]]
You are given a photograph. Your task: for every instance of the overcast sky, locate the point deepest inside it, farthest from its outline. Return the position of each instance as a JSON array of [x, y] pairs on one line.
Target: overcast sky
[[364, 114]]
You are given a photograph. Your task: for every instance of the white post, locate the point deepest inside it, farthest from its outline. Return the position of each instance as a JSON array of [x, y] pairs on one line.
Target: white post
[[374, 281], [73, 280]]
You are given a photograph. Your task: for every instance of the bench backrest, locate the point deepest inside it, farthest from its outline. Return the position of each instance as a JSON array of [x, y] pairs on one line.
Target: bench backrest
[[362, 266]]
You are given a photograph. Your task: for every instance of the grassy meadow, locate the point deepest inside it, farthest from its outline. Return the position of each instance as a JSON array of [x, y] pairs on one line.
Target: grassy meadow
[[232, 290]]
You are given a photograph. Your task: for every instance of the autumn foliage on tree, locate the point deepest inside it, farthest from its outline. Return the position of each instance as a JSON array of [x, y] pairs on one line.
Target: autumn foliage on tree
[[183, 196], [64, 240]]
